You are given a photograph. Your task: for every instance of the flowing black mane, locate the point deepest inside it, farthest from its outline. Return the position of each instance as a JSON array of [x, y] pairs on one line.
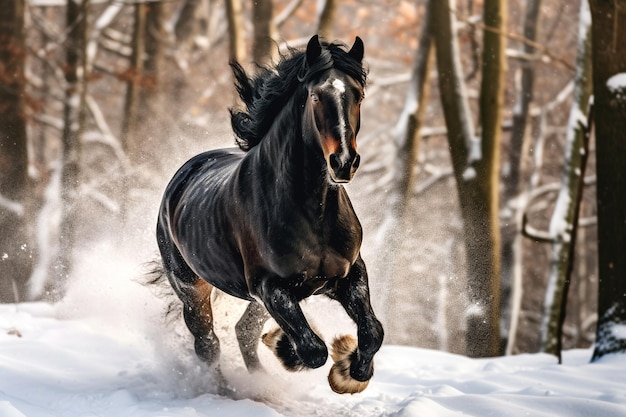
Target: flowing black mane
[[265, 94]]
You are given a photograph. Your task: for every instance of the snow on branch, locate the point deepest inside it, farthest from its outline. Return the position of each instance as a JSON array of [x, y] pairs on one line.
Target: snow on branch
[[48, 120], [107, 137], [549, 236], [437, 175], [12, 206], [101, 198], [535, 234], [617, 86], [103, 21], [617, 82]]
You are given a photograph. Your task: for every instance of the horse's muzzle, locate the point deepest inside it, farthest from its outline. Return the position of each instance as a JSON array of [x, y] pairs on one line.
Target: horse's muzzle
[[340, 171]]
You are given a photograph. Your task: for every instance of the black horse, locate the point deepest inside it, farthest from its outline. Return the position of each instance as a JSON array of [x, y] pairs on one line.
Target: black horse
[[271, 223]]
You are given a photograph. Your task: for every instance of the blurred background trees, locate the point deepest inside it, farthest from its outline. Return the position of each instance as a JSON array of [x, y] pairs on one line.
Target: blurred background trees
[[16, 255], [478, 214]]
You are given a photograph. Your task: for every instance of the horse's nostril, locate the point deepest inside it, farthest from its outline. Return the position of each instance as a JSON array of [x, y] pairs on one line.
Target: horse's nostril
[[335, 161], [356, 162]]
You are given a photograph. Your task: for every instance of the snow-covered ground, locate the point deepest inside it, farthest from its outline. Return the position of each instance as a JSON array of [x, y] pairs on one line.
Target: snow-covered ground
[[107, 351]]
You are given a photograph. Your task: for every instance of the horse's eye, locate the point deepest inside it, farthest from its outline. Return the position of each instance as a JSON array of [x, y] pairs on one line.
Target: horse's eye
[[314, 98]]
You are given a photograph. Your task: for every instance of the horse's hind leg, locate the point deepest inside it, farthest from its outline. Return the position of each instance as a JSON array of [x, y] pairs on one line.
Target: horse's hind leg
[[198, 316], [248, 330], [195, 293], [199, 320]]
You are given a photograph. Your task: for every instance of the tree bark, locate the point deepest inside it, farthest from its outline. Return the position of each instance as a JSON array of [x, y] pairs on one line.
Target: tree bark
[[73, 121], [134, 76], [524, 98], [15, 243], [484, 279], [144, 124], [151, 106], [563, 224], [475, 164], [263, 50], [185, 26], [407, 138], [609, 89], [511, 238], [237, 46], [326, 19]]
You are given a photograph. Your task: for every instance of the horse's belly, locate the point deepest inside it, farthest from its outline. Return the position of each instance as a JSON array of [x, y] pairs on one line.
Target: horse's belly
[[219, 269], [208, 250]]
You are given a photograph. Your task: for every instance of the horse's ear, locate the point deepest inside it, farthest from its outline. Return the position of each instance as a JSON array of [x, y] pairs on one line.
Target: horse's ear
[[357, 50], [313, 50]]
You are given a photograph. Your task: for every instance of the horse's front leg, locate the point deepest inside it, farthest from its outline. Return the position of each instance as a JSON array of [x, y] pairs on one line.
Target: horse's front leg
[[354, 362], [295, 344]]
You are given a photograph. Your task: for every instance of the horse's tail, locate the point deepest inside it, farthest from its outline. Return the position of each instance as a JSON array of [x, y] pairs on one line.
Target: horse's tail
[[155, 273], [156, 280]]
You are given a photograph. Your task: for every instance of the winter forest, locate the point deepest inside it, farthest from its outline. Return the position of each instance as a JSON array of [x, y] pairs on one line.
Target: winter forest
[[493, 152]]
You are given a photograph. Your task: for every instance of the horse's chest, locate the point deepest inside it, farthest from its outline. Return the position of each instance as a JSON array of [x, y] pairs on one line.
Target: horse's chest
[[332, 264], [315, 255], [313, 263]]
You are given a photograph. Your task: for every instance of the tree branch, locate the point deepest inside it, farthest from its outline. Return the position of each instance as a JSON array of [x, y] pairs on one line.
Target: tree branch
[[286, 12], [535, 234], [516, 37]]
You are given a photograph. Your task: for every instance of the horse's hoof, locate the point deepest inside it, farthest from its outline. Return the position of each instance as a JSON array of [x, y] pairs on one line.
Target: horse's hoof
[[279, 344], [223, 387], [207, 349], [339, 379]]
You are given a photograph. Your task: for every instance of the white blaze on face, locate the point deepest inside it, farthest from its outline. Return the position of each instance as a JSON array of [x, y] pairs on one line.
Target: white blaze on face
[[340, 89], [339, 85]]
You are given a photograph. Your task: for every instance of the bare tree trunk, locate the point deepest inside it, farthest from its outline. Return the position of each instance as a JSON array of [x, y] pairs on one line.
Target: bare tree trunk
[[511, 245], [155, 34], [151, 107], [484, 281], [564, 221], [145, 122], [15, 244], [475, 164], [184, 27], [326, 19], [135, 74], [263, 50], [407, 138], [131, 139], [73, 121], [236, 31], [524, 98], [609, 89], [410, 122]]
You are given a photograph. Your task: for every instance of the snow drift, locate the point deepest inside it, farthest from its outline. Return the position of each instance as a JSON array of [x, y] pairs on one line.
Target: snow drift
[[107, 350]]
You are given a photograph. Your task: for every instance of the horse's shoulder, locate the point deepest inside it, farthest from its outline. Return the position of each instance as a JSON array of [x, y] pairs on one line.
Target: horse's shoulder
[[199, 174], [219, 158], [210, 159]]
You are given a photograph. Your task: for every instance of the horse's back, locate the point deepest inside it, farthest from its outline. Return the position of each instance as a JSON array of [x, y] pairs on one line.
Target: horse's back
[[195, 216], [210, 167]]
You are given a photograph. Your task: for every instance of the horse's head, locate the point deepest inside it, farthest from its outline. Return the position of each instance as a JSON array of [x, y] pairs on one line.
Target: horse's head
[[334, 103]]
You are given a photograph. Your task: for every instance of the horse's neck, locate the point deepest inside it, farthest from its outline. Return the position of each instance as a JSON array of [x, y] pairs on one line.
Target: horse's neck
[[292, 155]]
